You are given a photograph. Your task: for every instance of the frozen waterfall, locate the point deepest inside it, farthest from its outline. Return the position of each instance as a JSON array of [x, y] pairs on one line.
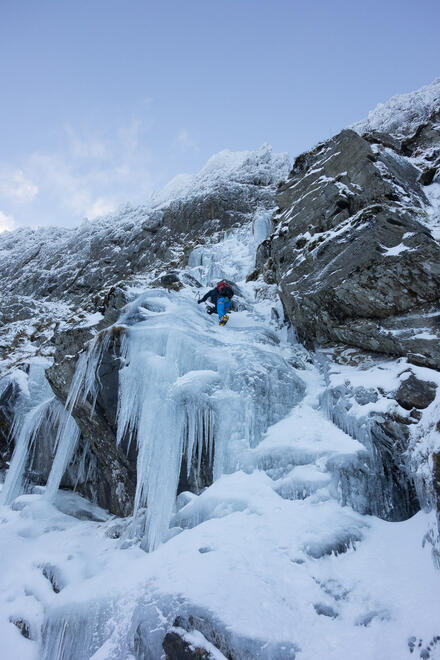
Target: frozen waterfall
[[187, 386]]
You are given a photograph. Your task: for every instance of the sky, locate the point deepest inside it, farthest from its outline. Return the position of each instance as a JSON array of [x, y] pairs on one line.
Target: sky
[[102, 102]]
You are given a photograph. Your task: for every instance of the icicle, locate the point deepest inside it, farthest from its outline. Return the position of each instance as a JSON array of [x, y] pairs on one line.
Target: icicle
[[84, 383], [66, 443], [85, 380], [32, 409], [25, 434]]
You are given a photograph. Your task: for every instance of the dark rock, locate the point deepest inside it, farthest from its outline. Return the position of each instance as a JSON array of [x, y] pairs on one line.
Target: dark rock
[[254, 275], [23, 626], [325, 610], [427, 177], [176, 647], [110, 303], [115, 471], [353, 265], [209, 630], [263, 254], [171, 281], [53, 574], [198, 478], [415, 393], [169, 278], [8, 400]]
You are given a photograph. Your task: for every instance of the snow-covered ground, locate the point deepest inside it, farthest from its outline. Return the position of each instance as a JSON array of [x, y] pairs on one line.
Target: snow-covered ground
[[267, 554]]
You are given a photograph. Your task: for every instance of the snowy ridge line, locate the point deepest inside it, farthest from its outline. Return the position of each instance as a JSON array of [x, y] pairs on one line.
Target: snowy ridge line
[[402, 114], [260, 167]]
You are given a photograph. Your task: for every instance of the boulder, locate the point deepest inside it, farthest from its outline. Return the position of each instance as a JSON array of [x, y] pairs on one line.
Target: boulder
[[179, 645], [415, 393]]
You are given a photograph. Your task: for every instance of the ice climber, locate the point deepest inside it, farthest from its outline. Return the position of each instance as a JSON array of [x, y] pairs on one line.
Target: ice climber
[[220, 297]]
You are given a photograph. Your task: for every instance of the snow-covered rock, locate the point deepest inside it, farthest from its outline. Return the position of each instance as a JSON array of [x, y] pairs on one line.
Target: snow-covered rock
[[403, 115]]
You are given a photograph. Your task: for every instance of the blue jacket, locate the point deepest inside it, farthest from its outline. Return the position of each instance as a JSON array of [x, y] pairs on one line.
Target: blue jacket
[[213, 295]]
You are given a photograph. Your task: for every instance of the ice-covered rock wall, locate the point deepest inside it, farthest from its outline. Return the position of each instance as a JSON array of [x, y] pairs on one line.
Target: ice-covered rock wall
[[276, 488], [61, 287]]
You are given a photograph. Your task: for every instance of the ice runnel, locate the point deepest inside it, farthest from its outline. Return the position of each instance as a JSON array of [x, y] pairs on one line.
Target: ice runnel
[[232, 258]]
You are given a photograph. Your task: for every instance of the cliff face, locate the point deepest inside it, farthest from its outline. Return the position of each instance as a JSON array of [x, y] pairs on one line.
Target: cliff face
[[53, 279], [65, 288], [356, 255], [248, 464], [353, 252]]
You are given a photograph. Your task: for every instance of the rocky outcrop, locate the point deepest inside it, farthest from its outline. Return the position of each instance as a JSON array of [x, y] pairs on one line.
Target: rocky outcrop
[[179, 645], [380, 484], [415, 393], [116, 473], [353, 258], [356, 255], [8, 399], [78, 267]]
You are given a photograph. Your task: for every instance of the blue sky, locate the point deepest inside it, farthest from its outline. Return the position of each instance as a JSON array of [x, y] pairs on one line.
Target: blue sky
[[103, 101]]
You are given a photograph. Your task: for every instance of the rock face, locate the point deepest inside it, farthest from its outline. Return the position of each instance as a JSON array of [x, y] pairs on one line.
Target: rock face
[[381, 484], [51, 276], [52, 280], [8, 398], [115, 480], [353, 256], [114, 476], [356, 255]]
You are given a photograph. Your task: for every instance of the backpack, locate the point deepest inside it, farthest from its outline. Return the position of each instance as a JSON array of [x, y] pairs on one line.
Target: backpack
[[224, 290], [221, 285]]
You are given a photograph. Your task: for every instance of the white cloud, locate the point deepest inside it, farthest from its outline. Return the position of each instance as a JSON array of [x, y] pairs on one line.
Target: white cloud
[[92, 174], [186, 141], [100, 207], [16, 186], [7, 222]]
